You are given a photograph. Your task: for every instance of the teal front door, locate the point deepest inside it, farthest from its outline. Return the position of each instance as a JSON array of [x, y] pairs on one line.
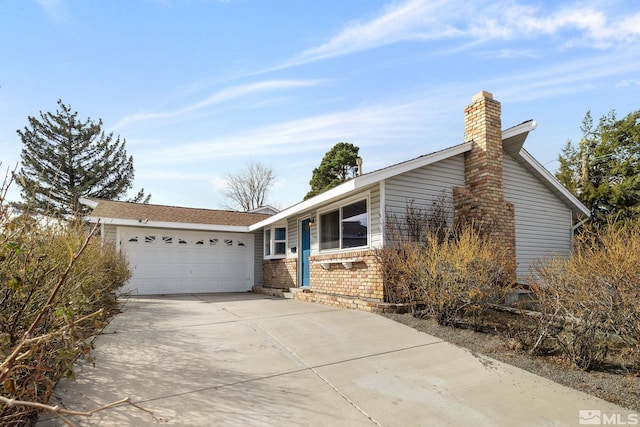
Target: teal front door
[[305, 251]]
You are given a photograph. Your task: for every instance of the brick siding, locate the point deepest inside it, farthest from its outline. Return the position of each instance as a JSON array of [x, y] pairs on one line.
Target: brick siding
[[482, 200], [280, 273], [363, 280]]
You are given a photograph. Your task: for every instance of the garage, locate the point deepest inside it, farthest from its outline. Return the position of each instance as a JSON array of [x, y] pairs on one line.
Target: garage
[[165, 261], [178, 250]]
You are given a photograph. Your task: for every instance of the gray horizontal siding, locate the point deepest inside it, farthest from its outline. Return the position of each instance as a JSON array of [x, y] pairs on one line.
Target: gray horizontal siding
[[424, 186], [258, 247], [109, 231], [292, 237], [543, 221], [375, 218]]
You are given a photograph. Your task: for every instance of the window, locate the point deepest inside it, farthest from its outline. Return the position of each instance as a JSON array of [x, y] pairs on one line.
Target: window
[[275, 241], [345, 227], [280, 241], [267, 242], [330, 230]]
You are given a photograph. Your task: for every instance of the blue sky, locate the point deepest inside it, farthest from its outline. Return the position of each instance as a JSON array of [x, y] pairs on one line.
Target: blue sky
[[198, 88]]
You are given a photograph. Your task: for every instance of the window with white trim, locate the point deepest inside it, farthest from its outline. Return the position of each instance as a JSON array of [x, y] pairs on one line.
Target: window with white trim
[[275, 242], [345, 227]]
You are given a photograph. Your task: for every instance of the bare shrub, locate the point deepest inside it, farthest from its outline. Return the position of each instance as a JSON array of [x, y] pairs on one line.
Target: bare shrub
[[462, 276], [447, 274], [590, 300], [55, 284], [405, 236]]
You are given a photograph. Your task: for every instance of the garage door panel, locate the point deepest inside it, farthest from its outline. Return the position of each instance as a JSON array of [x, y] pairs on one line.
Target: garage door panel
[[173, 261]]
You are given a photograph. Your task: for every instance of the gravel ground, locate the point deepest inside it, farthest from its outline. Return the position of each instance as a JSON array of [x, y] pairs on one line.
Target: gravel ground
[[619, 388]]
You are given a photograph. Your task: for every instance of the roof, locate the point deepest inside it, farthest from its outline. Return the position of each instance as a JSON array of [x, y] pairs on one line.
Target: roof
[[512, 140], [138, 214]]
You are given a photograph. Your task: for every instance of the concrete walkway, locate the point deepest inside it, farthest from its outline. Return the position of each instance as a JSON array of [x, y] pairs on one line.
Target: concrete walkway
[[244, 359]]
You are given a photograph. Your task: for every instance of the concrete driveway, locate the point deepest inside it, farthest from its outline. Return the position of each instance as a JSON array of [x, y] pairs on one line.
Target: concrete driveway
[[245, 359]]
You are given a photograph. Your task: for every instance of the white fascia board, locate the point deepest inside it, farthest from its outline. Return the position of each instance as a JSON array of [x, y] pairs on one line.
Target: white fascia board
[[553, 181], [521, 128], [171, 225], [360, 182], [308, 204], [391, 171], [87, 202]]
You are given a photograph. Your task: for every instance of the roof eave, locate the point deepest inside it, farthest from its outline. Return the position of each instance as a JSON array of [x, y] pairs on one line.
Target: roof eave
[[88, 202], [361, 182], [513, 140], [167, 224]]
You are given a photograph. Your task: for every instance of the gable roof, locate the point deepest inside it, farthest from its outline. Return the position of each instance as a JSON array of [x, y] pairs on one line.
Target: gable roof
[[148, 215], [512, 141]]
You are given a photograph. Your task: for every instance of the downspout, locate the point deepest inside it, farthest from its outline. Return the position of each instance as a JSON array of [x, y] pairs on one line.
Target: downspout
[[574, 228], [578, 225]]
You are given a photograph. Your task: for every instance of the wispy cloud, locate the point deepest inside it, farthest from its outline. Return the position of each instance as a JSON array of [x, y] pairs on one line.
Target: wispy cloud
[[56, 10], [509, 54], [575, 25], [411, 20], [564, 78], [224, 95], [628, 83], [474, 23], [364, 126]]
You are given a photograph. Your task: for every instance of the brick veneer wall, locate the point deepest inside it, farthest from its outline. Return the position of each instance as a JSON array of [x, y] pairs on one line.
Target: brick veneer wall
[[482, 200], [362, 281], [280, 273], [350, 302]]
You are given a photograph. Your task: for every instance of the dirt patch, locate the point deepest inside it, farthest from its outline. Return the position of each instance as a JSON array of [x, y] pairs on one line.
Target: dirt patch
[[617, 386]]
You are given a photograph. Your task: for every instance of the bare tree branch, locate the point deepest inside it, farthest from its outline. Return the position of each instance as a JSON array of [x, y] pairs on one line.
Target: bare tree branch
[[248, 188], [61, 412]]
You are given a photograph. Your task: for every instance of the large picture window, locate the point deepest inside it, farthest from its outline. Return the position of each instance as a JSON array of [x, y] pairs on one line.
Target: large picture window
[[345, 227], [275, 242]]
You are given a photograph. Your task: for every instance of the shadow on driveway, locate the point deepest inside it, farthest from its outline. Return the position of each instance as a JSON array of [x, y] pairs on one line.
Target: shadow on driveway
[[246, 359]]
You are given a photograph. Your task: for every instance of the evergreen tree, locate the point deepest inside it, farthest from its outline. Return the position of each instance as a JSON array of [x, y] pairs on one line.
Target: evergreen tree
[[337, 166], [65, 158], [603, 170]]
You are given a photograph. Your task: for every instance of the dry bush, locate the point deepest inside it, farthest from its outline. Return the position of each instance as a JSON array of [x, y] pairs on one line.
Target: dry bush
[[591, 300], [54, 284], [451, 275], [461, 277], [405, 235]]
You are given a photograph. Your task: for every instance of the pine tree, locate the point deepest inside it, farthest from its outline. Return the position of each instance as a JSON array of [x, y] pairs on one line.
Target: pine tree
[[65, 158], [603, 170], [337, 166]]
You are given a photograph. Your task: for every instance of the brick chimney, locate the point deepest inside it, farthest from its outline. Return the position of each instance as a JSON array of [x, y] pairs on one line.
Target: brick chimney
[[481, 201]]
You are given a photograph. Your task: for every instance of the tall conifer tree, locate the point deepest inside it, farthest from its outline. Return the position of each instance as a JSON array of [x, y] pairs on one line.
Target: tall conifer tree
[[603, 169], [65, 158]]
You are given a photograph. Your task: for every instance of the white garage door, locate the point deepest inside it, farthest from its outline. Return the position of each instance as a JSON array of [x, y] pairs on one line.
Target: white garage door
[[173, 261]]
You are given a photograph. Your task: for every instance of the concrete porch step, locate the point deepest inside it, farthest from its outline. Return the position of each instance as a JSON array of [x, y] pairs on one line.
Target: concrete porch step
[[292, 291]]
